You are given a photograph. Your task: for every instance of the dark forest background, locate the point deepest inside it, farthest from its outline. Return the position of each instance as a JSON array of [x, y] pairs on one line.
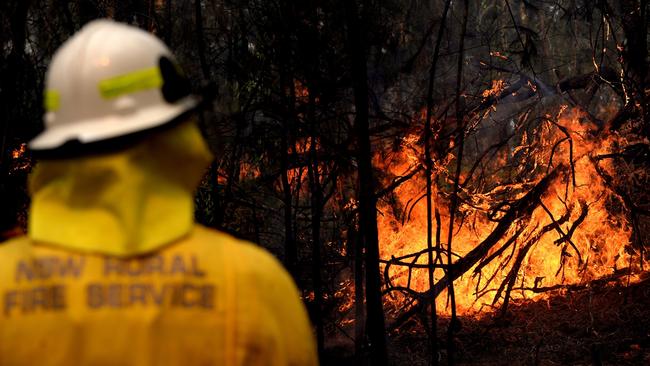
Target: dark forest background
[[313, 95]]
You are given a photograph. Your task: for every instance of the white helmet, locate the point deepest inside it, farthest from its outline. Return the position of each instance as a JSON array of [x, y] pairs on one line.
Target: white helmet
[[110, 80]]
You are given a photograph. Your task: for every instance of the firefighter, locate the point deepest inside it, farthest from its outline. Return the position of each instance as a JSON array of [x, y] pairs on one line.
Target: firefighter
[[113, 271]]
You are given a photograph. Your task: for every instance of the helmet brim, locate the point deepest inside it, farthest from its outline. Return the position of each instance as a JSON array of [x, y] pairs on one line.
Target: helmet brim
[[106, 128]]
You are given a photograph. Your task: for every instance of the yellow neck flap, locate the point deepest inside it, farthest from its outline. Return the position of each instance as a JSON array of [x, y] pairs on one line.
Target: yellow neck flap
[[124, 203]]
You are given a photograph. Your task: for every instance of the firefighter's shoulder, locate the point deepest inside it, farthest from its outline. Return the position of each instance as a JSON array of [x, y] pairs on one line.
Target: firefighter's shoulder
[[272, 315], [14, 249], [247, 259]]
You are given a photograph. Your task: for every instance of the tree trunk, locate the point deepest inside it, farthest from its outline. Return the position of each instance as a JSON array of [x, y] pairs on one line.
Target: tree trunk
[[460, 142], [367, 201], [428, 171], [359, 299], [635, 54], [200, 39], [317, 199], [316, 213], [288, 142], [169, 24]]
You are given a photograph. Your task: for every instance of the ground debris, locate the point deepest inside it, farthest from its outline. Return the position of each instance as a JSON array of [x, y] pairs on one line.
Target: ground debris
[[597, 325]]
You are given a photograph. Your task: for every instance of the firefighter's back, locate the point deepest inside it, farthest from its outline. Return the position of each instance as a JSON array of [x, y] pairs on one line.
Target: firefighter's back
[[207, 299]]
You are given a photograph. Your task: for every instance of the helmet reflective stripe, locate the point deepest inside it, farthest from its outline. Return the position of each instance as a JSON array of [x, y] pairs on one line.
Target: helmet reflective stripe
[[130, 83], [51, 100]]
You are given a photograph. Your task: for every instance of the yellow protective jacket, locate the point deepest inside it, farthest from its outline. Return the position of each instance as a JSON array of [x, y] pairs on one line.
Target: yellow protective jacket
[[114, 272]]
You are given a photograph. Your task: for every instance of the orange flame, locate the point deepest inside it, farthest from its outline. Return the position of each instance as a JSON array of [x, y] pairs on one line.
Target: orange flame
[[497, 88], [19, 151], [302, 92], [588, 242]]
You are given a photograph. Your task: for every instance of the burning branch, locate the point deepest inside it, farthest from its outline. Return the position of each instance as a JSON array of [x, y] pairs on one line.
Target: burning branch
[[400, 261], [519, 210], [583, 215], [514, 271], [398, 181], [558, 228]]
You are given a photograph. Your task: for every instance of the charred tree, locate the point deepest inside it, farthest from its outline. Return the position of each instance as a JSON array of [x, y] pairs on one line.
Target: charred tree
[[287, 143], [311, 47], [316, 217], [366, 189], [169, 24], [428, 171], [460, 143], [200, 39]]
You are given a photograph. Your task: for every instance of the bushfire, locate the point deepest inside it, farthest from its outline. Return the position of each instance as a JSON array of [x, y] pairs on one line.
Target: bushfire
[[537, 213]]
